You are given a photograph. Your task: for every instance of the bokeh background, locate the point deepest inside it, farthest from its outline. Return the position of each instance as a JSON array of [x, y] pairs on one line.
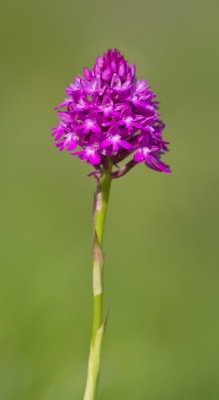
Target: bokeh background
[[161, 244]]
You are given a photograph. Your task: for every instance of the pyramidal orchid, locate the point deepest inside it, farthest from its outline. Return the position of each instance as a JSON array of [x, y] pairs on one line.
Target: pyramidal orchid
[[109, 116]]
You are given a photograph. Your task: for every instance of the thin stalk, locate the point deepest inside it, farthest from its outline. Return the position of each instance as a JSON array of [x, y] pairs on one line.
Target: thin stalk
[[100, 209]]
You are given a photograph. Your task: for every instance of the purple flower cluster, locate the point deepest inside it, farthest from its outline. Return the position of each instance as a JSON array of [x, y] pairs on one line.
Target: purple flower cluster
[[110, 114]]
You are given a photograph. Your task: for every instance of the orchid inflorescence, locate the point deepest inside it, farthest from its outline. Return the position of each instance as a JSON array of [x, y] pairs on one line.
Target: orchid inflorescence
[[111, 115]]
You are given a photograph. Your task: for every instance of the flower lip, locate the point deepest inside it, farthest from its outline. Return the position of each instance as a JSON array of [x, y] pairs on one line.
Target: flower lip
[[109, 113]]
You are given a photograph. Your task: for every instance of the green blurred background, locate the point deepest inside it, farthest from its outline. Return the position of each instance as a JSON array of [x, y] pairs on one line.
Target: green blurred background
[[161, 246]]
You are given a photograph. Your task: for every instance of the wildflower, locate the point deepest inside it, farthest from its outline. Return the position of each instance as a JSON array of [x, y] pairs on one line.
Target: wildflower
[[110, 116]]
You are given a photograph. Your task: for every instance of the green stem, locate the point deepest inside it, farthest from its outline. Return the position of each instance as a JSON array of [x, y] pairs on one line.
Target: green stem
[[100, 208]]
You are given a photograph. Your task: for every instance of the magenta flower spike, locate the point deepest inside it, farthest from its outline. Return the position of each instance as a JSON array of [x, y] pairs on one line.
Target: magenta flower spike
[[109, 115]]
